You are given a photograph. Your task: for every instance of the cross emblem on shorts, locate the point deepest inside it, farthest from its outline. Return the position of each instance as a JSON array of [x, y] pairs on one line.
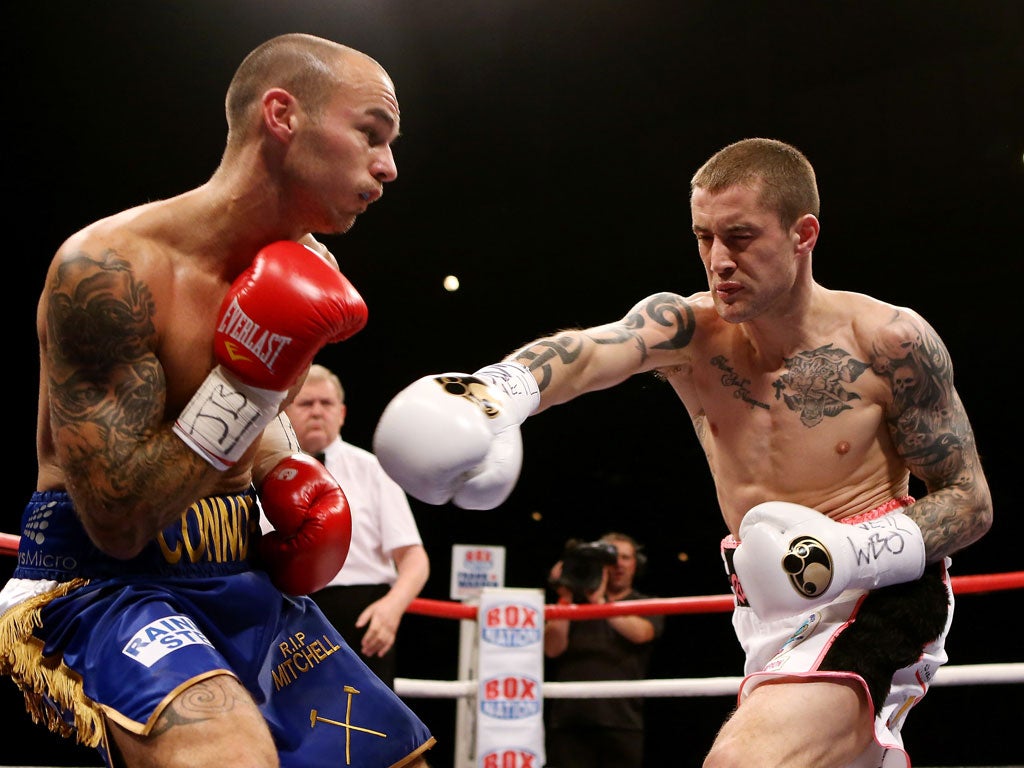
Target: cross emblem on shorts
[[314, 718]]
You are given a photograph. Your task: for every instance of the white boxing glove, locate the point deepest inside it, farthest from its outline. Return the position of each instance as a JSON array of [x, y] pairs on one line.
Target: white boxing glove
[[455, 436], [792, 558]]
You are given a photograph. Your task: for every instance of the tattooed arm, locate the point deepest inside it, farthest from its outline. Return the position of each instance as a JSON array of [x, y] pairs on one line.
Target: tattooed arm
[[455, 437], [127, 473], [572, 362], [933, 435]]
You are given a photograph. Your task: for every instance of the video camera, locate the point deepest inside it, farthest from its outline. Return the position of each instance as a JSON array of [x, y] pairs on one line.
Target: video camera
[[582, 565]]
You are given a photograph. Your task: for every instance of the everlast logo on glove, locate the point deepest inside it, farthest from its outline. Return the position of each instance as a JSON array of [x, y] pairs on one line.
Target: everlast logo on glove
[[266, 346], [301, 303]]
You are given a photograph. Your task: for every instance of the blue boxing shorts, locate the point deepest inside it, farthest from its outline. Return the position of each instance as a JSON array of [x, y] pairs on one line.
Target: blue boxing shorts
[[89, 638]]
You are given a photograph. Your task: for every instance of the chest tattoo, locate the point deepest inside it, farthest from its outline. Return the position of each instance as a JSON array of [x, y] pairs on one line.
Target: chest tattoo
[[813, 384], [732, 379]]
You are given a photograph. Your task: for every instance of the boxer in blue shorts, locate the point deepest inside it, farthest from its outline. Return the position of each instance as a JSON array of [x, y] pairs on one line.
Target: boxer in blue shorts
[[147, 616], [127, 635], [814, 407]]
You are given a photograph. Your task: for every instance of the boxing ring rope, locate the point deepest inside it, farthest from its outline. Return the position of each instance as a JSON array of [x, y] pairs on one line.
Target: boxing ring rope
[[962, 585], [971, 674], [465, 688]]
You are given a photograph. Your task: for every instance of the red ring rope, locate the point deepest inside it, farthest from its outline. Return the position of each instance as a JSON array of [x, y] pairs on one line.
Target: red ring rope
[[962, 585]]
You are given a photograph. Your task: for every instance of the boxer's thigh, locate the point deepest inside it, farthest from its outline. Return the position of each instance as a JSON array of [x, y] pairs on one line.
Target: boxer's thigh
[[214, 722], [796, 722]]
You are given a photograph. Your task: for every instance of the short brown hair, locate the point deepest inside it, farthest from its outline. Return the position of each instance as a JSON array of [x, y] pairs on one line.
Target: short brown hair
[[785, 176], [304, 65]]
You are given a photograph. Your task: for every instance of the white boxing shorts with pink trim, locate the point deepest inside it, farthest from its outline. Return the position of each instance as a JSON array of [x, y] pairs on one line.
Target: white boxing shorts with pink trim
[[806, 646]]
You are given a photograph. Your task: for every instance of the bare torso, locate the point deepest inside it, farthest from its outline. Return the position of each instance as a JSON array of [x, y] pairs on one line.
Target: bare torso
[[794, 416], [807, 427], [177, 277]]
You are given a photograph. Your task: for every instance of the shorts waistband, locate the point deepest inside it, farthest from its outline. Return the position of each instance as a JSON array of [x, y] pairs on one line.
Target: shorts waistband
[[900, 502], [214, 536]]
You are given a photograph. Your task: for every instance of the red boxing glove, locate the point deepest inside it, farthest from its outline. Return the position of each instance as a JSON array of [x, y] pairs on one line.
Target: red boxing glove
[[275, 317], [312, 525], [280, 312]]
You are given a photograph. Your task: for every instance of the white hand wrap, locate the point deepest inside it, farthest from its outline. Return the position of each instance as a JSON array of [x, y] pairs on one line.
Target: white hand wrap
[[793, 558], [225, 416], [455, 436], [522, 395], [491, 482]]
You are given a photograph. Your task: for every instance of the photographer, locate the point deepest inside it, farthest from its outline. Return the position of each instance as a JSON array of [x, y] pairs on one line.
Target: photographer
[[595, 732]]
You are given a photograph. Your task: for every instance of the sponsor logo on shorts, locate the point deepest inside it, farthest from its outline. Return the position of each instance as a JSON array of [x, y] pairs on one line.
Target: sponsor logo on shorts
[[161, 637], [803, 632], [35, 552], [48, 561], [734, 580], [511, 625], [38, 521]]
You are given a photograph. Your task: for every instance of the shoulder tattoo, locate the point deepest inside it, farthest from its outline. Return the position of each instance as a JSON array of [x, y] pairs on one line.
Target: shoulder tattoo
[[927, 420], [100, 320]]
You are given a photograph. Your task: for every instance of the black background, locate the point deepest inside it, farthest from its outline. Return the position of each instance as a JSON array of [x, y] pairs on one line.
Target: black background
[[545, 157]]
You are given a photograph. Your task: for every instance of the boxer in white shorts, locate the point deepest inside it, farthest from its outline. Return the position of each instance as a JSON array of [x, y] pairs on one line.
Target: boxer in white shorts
[[814, 408], [844, 639]]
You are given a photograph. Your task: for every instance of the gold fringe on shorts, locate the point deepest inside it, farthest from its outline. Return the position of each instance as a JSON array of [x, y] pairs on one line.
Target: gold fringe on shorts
[[41, 678]]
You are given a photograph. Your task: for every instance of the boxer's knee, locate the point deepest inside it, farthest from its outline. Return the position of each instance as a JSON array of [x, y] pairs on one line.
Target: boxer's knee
[[728, 749]]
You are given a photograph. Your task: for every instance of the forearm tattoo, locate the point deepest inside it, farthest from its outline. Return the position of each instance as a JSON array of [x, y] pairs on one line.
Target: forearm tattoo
[[667, 310], [539, 356]]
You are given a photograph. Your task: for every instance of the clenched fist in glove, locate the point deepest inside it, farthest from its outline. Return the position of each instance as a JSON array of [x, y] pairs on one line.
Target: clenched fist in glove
[[312, 525], [792, 558], [274, 319], [455, 436]]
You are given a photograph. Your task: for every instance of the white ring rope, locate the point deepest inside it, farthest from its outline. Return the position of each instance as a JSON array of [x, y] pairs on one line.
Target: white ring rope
[[972, 674], [969, 674]]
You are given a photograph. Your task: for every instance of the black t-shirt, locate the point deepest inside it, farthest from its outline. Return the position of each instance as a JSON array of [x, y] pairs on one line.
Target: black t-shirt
[[597, 652]]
